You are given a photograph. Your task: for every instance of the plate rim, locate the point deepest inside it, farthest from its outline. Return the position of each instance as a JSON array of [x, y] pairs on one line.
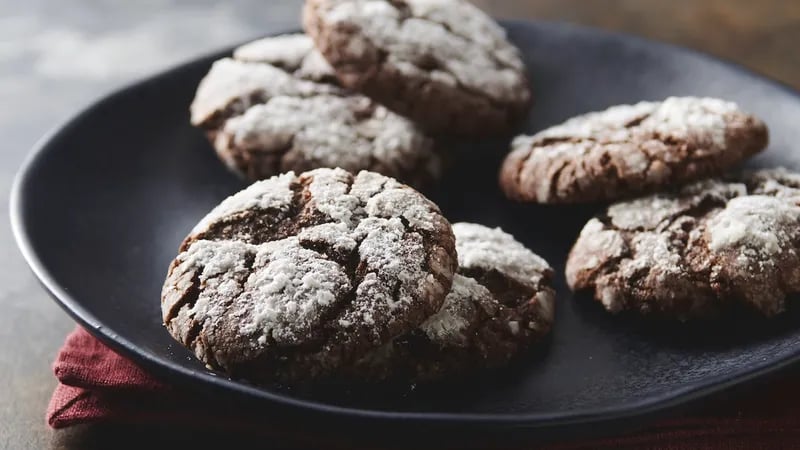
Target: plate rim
[[649, 406]]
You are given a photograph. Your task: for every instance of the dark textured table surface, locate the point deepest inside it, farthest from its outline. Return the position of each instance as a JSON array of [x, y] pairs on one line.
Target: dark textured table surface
[[58, 55]]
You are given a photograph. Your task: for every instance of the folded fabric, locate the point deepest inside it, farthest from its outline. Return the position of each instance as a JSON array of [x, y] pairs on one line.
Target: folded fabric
[[98, 385]]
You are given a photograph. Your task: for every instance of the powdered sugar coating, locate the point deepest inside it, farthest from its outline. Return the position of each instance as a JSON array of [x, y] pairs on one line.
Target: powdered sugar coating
[[450, 325], [232, 86], [448, 44], [692, 252], [329, 131], [294, 286], [629, 149], [777, 182], [756, 222], [311, 267], [676, 117], [387, 203], [288, 50], [468, 47], [217, 265], [273, 194], [485, 248], [501, 302], [295, 53], [276, 106], [334, 235], [703, 119]]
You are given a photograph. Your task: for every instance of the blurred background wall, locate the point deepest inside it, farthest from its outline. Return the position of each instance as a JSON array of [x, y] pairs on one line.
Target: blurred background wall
[[73, 50], [761, 34]]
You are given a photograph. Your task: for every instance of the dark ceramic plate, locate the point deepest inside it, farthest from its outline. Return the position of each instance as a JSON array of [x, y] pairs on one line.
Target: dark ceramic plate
[[100, 208]]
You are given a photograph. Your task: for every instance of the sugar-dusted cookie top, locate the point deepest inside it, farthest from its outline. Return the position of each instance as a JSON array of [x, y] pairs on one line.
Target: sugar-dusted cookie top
[[631, 149], [443, 63], [697, 250]]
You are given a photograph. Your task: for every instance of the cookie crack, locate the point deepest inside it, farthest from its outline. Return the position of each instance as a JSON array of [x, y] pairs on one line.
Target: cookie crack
[[352, 267], [551, 140], [234, 108], [515, 302], [555, 178], [635, 122], [427, 243], [240, 279], [333, 315], [402, 7], [351, 264], [509, 292], [520, 166], [189, 298], [609, 265], [698, 211]]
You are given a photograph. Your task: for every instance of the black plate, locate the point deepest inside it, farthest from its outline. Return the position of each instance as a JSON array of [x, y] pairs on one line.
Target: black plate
[[101, 206]]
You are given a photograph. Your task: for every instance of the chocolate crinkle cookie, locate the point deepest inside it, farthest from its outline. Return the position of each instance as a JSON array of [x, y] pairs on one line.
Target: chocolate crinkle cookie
[[500, 304], [276, 106], [298, 275], [631, 149], [443, 63], [703, 249]]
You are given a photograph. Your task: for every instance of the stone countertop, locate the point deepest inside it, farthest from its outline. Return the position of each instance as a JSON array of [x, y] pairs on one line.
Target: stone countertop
[[56, 56]]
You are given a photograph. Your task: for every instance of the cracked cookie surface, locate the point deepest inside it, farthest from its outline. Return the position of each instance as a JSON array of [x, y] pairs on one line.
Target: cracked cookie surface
[[500, 304], [630, 149], [443, 63], [276, 106], [710, 246], [297, 275]]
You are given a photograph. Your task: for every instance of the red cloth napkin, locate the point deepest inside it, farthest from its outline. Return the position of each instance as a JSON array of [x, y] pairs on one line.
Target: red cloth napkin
[[98, 385]]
